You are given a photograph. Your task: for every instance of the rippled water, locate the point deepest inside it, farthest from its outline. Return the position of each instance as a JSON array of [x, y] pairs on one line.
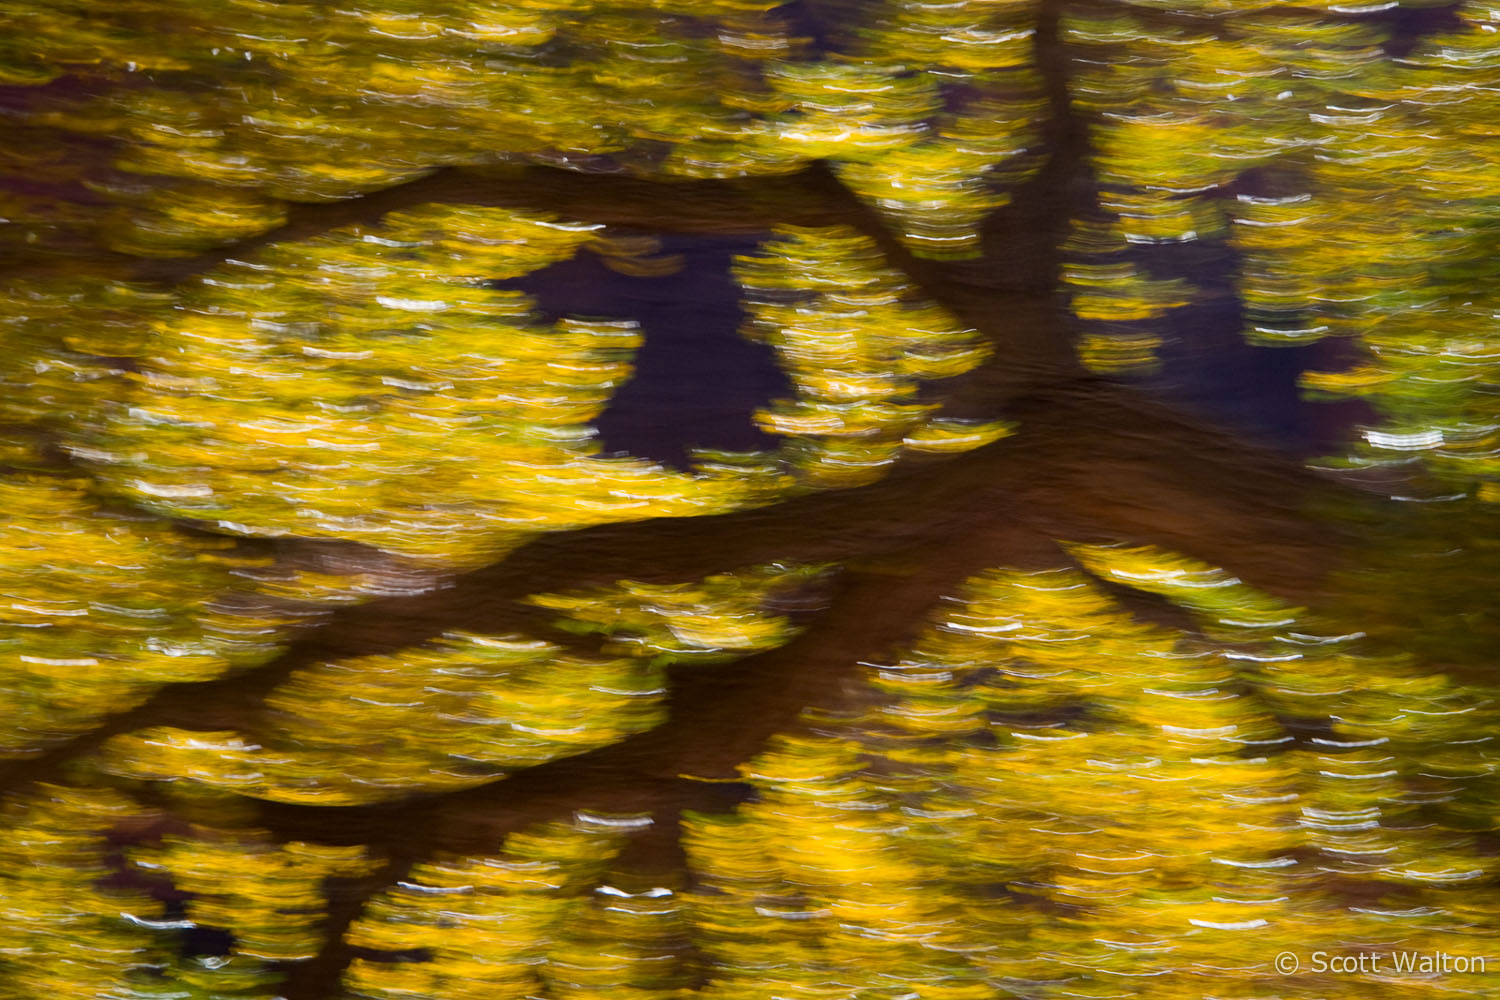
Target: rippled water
[[822, 500]]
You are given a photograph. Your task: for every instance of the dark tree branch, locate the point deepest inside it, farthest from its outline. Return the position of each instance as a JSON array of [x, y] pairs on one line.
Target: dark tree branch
[[720, 718], [810, 197], [686, 205], [1095, 463], [1015, 279]]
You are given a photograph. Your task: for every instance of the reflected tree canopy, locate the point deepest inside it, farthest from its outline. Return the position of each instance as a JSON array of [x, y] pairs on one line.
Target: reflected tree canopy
[[341, 658]]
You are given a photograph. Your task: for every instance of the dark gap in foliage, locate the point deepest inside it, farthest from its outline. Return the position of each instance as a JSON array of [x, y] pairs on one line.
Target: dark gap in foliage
[[1410, 25], [696, 382], [202, 942], [391, 957], [1208, 368]]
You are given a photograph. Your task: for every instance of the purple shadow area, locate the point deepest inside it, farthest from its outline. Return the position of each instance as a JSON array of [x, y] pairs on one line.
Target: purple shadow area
[[697, 382], [1210, 370]]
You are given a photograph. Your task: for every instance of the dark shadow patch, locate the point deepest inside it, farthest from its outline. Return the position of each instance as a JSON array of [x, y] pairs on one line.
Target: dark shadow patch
[[697, 383]]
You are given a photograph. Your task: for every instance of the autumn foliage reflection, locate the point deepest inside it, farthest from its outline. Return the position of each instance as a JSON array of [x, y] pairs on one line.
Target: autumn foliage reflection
[[341, 659]]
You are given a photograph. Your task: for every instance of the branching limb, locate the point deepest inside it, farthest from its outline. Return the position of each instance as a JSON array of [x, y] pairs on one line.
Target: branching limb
[[1094, 463], [721, 717], [811, 197]]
